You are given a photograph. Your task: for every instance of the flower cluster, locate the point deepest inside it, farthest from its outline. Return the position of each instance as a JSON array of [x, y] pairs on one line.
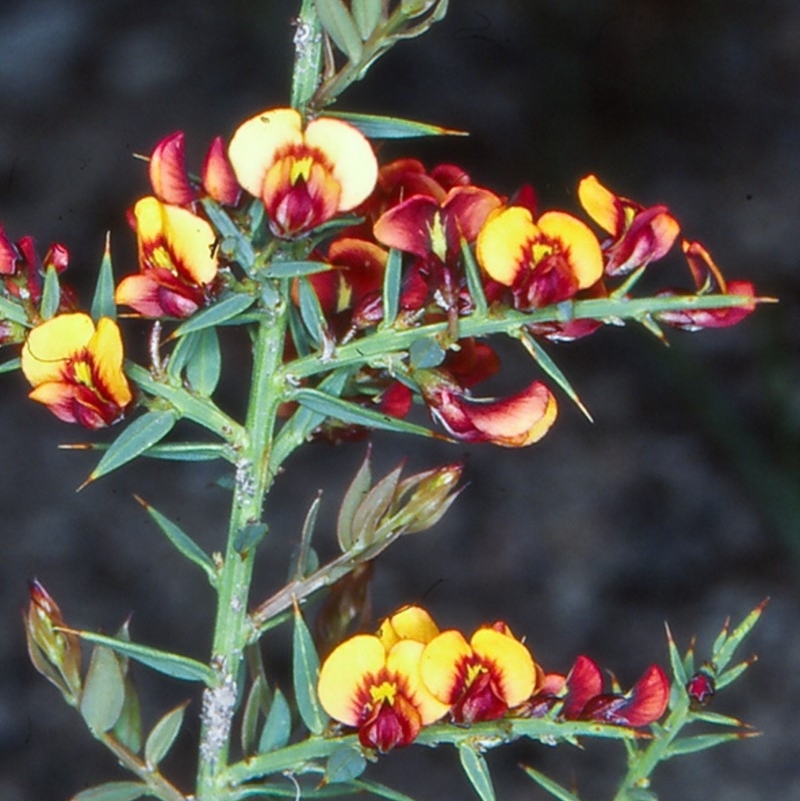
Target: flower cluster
[[430, 243], [410, 674]]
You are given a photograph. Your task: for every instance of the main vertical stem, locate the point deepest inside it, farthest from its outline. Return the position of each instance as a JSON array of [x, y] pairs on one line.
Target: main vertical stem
[[253, 478]]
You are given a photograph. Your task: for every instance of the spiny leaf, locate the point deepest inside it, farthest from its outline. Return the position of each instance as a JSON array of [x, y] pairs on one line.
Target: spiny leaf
[[11, 311], [51, 294], [377, 127], [295, 269], [113, 791], [278, 725], [223, 311], [477, 771], [700, 742], [391, 287], [474, 283], [182, 541], [548, 784], [174, 665], [10, 366], [305, 672], [205, 365], [140, 435], [103, 304]]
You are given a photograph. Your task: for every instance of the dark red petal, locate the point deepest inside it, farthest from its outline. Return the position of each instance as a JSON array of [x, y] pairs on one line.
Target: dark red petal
[[168, 171], [584, 681]]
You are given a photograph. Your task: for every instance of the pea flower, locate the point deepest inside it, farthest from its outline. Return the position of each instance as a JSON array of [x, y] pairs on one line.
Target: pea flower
[[378, 690], [481, 679], [512, 422], [76, 369], [304, 176], [177, 261], [639, 235], [408, 623], [543, 262]]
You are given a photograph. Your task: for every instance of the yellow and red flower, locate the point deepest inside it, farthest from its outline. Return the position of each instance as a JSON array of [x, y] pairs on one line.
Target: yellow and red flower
[[481, 679], [543, 262], [378, 690], [75, 369], [304, 176], [639, 235], [177, 261], [512, 422]]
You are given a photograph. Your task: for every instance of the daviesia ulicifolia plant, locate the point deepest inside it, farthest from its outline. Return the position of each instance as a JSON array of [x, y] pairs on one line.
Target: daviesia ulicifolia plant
[[363, 288]]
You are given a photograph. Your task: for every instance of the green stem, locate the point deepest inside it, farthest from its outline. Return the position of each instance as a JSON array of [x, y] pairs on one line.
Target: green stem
[[254, 475]]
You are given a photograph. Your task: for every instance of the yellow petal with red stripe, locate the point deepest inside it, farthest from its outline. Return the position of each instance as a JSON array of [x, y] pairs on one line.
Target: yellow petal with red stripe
[[404, 661], [105, 349], [512, 662], [441, 665], [578, 243], [52, 343], [503, 244]]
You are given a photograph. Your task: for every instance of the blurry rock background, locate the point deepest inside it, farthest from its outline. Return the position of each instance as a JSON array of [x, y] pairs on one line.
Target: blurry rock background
[[679, 503]]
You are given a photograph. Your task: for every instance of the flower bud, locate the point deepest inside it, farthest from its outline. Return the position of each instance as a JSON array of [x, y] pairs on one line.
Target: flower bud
[[55, 652], [433, 493]]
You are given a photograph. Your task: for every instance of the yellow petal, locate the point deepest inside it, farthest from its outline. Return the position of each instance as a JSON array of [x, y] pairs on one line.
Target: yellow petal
[[404, 660], [350, 154], [105, 348], [579, 243], [254, 145], [345, 671], [52, 343], [511, 660], [502, 244], [192, 240], [441, 662], [410, 623], [600, 203]]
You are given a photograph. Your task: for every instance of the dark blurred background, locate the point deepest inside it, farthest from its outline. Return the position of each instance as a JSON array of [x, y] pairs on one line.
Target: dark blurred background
[[680, 503]]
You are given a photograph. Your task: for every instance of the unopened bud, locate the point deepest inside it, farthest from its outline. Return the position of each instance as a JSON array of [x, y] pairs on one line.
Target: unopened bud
[[431, 494], [55, 653]]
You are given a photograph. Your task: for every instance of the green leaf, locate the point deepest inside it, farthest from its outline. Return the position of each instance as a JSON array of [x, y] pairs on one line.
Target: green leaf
[[311, 312], [140, 435], [700, 742], [250, 714], [555, 789], [247, 537], [306, 561], [188, 452], [10, 366], [205, 365], [163, 735], [426, 353], [367, 14], [103, 304], [278, 725], [544, 361], [374, 506], [381, 790], [344, 765], [103, 693], [174, 665], [223, 311], [725, 646], [13, 312], [305, 673], [477, 771], [295, 269], [180, 356], [474, 283], [675, 659], [51, 294], [182, 541], [114, 791], [341, 27], [338, 409], [355, 494], [128, 728], [391, 287], [377, 127]]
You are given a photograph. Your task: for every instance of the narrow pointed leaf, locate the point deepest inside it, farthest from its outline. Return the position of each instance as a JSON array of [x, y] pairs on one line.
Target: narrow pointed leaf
[[295, 269], [552, 369], [113, 791], [235, 242], [247, 537], [10, 366], [174, 665], [675, 660], [163, 735], [356, 492], [103, 304], [311, 312], [103, 693], [140, 435], [724, 652], [474, 283], [700, 742], [391, 287], [477, 772], [344, 765], [338, 409], [555, 789], [728, 676], [381, 790], [377, 127], [205, 366], [374, 506], [11, 311], [223, 311], [278, 725], [182, 541], [51, 294], [716, 719], [340, 26], [307, 561], [188, 452], [128, 728], [250, 715], [180, 356], [305, 673]]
